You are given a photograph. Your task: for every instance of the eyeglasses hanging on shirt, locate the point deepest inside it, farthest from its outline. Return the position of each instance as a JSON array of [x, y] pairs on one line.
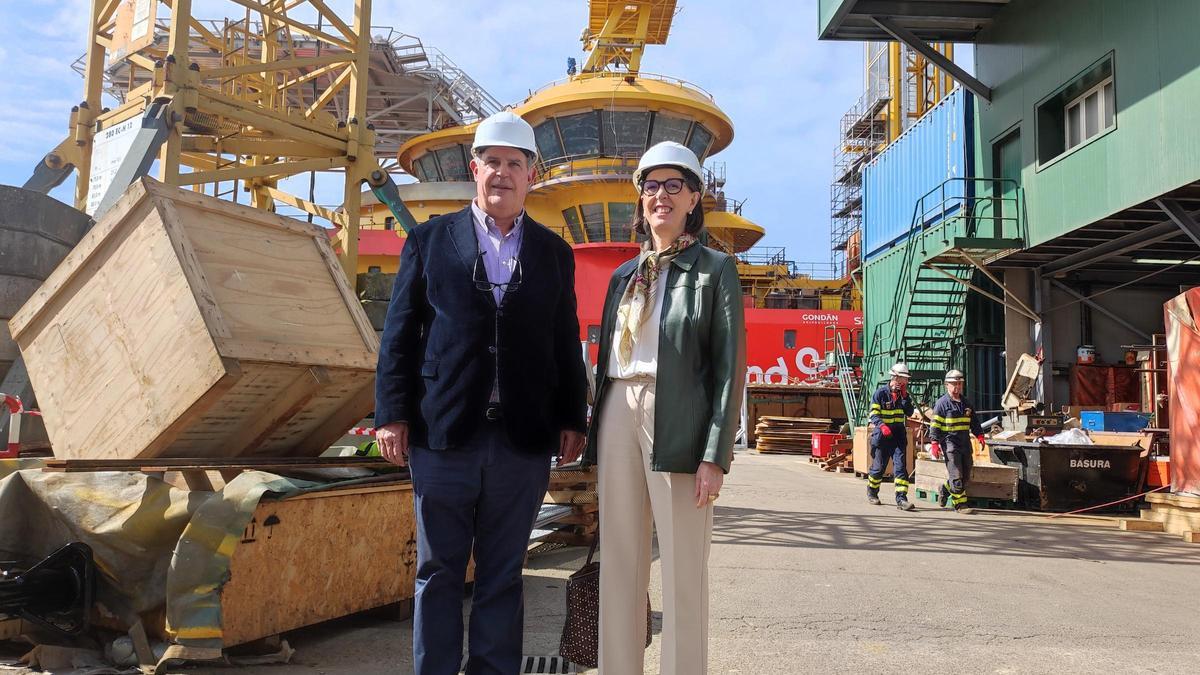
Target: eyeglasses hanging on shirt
[[479, 276]]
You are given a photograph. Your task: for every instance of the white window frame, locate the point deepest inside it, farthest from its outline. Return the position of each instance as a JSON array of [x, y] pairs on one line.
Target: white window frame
[[1101, 110]]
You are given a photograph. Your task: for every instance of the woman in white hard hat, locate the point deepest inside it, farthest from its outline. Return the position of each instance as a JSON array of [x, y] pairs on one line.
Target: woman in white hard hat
[[669, 388]]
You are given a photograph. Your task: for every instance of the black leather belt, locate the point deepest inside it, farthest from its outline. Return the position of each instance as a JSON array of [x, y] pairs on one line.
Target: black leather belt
[[493, 412]]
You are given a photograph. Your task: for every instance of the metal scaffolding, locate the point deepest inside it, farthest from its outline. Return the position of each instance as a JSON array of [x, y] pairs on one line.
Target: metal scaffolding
[[275, 90]]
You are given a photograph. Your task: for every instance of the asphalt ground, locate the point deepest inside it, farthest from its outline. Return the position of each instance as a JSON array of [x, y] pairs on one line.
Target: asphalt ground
[[809, 578]]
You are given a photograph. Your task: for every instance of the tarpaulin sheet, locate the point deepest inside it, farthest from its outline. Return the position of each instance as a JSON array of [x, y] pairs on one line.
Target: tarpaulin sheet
[[153, 544], [1183, 386]]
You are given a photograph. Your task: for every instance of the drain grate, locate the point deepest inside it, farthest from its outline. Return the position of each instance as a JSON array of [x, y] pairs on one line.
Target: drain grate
[[551, 665], [548, 664]]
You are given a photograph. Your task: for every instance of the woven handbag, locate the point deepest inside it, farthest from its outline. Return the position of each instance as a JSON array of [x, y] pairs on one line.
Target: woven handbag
[[580, 641]]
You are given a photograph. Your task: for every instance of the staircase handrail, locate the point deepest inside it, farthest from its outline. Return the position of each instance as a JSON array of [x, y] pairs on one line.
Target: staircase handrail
[[925, 220]]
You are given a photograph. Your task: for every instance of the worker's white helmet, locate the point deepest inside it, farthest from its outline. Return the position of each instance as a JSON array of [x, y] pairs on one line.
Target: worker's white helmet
[[899, 370], [669, 153], [955, 376], [507, 129]]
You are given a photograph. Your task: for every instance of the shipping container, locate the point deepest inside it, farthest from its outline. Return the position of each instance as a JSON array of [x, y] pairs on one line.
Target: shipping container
[[937, 147]]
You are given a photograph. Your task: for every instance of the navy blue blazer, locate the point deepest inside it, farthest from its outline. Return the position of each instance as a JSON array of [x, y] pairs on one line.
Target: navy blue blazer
[[442, 337]]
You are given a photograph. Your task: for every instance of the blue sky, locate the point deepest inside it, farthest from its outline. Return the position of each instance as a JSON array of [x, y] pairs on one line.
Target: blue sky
[[784, 90]]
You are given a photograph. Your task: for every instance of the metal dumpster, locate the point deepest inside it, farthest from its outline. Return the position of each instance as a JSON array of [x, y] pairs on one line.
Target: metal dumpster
[[1068, 477]]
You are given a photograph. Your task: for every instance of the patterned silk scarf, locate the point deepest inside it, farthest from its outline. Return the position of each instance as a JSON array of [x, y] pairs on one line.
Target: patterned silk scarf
[[638, 300]]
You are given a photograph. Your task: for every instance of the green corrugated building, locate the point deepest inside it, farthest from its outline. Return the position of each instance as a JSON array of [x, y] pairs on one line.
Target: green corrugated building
[[1080, 213]]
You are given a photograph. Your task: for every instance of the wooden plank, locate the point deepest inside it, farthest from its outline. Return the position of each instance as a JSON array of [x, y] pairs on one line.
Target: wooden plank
[[197, 480], [570, 497], [1184, 501], [308, 560], [1191, 537], [335, 425], [349, 298], [258, 427], [209, 463], [201, 289], [297, 355], [1136, 525]]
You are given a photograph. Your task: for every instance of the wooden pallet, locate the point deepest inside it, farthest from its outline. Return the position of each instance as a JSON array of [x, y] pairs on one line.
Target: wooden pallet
[[576, 487]]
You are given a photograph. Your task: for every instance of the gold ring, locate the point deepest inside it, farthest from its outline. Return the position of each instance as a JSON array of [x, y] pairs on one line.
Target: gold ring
[[713, 496]]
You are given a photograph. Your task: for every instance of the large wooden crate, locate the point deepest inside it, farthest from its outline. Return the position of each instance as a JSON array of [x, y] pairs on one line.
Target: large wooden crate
[[187, 326], [319, 556], [862, 452]]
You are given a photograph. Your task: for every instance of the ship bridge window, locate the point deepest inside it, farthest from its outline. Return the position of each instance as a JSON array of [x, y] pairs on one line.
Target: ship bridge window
[[427, 166], [550, 146], [580, 133], [700, 140], [452, 163], [593, 221], [620, 217], [668, 128], [624, 132], [571, 216]]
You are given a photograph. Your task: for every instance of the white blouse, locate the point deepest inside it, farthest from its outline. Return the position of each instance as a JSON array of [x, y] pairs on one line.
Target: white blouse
[[645, 349]]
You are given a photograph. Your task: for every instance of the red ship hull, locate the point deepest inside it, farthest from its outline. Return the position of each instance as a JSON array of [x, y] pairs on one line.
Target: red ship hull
[[783, 346]]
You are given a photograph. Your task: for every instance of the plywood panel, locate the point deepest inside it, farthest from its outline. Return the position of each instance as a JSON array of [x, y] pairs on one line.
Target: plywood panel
[[272, 286], [319, 557]]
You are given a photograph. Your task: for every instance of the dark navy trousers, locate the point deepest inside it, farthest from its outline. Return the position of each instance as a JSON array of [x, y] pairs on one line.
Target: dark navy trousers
[[480, 498], [894, 447]]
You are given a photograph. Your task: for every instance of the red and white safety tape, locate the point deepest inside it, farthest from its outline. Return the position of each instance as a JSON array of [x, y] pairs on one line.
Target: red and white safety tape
[[15, 410], [361, 431]]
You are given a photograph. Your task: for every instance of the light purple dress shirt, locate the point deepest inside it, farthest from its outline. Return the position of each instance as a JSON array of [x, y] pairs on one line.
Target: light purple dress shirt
[[500, 251]]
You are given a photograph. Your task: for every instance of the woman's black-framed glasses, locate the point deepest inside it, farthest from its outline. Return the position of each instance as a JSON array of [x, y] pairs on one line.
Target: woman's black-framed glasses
[[479, 276], [671, 185]]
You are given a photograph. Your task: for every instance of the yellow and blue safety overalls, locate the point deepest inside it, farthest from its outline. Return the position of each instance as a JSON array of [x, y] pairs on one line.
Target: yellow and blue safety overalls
[[953, 426], [888, 408]]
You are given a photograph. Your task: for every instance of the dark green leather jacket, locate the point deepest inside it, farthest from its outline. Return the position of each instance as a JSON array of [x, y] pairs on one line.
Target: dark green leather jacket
[[701, 361]]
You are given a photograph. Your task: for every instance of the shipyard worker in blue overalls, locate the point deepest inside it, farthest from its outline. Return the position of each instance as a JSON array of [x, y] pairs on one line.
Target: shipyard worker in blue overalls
[[953, 425], [889, 406]]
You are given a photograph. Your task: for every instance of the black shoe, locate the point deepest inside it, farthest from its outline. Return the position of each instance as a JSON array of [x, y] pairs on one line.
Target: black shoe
[[960, 508], [904, 505], [943, 496], [873, 501]]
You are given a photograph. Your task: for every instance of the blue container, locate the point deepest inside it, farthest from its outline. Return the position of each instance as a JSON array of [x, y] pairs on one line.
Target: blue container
[[936, 147], [1099, 420]]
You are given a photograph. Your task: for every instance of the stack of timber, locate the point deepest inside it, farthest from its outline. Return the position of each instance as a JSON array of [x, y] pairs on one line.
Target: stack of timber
[[1177, 514], [576, 487], [994, 482], [788, 435], [792, 400], [186, 326]]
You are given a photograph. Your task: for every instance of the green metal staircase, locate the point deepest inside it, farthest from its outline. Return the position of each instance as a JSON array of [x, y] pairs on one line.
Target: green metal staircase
[[942, 253]]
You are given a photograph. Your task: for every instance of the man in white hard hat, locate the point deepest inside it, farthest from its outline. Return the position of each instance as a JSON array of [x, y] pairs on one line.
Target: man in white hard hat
[[953, 425], [890, 406], [479, 383]]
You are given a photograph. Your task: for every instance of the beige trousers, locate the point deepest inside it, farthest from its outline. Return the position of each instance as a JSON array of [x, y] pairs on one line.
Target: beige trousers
[[630, 494]]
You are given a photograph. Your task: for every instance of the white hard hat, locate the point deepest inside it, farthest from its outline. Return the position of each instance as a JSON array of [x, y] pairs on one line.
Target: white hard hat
[[955, 376], [669, 153], [899, 370], [507, 129]]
